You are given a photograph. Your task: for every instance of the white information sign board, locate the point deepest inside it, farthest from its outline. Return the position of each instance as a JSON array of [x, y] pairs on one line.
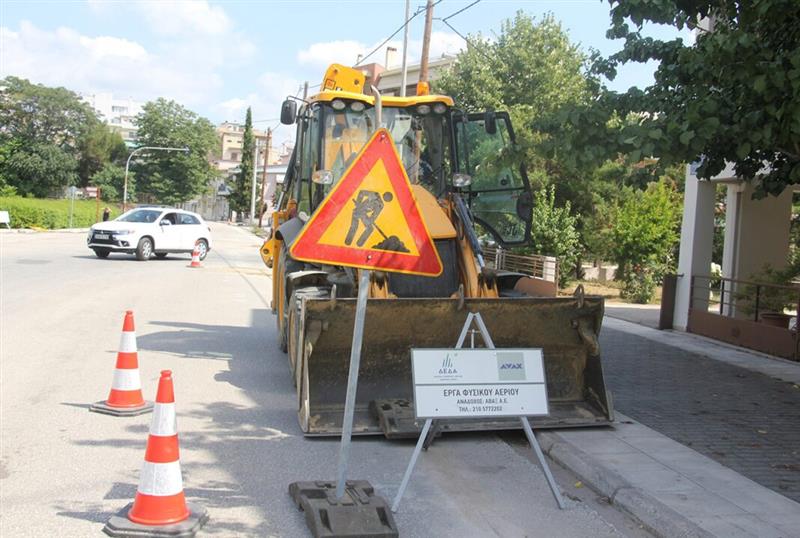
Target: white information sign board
[[470, 383]]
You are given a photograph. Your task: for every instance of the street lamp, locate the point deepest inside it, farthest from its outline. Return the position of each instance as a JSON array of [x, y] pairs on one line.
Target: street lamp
[[128, 163]]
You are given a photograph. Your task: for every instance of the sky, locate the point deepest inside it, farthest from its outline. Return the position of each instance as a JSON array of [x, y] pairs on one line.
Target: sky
[[218, 58]]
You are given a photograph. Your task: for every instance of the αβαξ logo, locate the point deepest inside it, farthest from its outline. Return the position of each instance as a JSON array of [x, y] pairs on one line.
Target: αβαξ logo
[[510, 366]]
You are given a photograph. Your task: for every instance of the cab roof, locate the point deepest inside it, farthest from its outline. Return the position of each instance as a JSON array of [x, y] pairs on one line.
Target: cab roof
[[387, 100]]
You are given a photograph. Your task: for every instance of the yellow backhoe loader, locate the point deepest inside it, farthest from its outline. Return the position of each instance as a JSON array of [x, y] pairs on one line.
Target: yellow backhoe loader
[[468, 195]]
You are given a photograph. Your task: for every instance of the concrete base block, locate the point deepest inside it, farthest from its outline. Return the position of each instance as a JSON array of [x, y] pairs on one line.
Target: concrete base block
[[102, 407], [120, 526], [358, 514]]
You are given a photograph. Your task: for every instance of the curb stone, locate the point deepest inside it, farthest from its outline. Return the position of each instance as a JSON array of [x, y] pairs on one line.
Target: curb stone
[[652, 514]]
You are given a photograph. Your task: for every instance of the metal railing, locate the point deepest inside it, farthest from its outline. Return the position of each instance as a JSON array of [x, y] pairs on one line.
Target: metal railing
[[743, 299], [535, 265]]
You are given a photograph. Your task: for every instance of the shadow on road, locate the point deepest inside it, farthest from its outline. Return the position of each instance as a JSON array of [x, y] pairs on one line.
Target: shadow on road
[[239, 441]]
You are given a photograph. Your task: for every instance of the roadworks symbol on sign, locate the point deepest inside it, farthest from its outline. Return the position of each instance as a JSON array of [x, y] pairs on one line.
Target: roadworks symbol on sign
[[371, 219]]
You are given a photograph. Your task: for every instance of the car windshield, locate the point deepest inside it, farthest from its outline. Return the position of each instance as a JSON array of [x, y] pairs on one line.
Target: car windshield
[[140, 215], [422, 141]]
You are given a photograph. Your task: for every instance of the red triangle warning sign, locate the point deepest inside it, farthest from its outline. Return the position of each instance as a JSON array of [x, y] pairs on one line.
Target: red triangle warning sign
[[370, 219]]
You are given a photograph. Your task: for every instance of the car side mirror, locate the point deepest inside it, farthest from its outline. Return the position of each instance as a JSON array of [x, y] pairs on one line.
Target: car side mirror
[[165, 222], [490, 122], [288, 112]]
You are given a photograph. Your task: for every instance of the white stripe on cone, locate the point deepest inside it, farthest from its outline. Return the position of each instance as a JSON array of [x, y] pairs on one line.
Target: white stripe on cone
[[127, 342], [164, 423], [160, 479], [125, 379]]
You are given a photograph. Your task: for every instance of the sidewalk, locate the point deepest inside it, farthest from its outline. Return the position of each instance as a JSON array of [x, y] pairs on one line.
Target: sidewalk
[[724, 459]]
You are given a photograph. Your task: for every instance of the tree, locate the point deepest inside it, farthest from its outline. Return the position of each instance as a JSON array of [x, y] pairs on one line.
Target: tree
[[645, 230], [42, 134], [531, 69], [240, 198], [554, 233], [731, 97], [99, 147], [111, 179], [39, 169], [173, 177]]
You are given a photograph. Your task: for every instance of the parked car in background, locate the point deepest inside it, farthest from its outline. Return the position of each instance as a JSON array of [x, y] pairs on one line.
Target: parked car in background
[[148, 231]]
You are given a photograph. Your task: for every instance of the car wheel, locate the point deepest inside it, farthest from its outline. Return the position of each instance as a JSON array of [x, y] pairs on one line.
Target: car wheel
[[144, 249], [202, 244], [161, 255], [101, 252]]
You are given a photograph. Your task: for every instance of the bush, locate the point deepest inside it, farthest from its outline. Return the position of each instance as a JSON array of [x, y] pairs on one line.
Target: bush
[[554, 232], [646, 230], [639, 287], [50, 214]]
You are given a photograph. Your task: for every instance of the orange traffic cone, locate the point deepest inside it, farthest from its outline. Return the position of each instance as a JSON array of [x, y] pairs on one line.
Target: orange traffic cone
[[125, 398], [160, 507], [195, 257]]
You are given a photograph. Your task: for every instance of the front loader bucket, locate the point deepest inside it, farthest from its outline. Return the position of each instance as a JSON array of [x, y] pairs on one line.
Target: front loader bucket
[[565, 328]]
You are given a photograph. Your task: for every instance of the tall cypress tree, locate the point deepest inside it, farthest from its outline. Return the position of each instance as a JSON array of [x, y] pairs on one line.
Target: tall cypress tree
[[240, 200]]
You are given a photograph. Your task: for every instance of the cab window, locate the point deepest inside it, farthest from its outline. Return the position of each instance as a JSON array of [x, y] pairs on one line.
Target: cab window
[[499, 194]]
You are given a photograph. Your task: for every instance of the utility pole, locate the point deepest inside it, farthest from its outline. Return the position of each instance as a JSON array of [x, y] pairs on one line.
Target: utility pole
[[404, 79], [426, 42], [261, 211], [253, 189]]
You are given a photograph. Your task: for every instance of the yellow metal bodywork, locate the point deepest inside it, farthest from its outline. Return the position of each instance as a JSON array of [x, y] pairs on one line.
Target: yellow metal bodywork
[[318, 325], [387, 101]]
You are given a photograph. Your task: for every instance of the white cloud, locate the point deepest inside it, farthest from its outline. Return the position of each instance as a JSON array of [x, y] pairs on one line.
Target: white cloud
[[176, 17], [345, 52], [271, 89], [92, 64]]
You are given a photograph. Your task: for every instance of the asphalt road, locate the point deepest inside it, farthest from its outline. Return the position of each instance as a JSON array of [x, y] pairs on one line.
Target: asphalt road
[[64, 470]]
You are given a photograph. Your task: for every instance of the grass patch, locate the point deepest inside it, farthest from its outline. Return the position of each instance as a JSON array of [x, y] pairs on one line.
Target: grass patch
[[610, 290], [37, 213]]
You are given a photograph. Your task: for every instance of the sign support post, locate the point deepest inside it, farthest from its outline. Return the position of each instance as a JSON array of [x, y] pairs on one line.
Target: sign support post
[[487, 340], [352, 381]]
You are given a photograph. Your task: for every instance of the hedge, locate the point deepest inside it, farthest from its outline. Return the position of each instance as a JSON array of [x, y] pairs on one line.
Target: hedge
[[51, 214]]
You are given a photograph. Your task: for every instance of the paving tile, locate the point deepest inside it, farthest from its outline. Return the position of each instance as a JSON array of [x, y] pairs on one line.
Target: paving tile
[[739, 527], [742, 419]]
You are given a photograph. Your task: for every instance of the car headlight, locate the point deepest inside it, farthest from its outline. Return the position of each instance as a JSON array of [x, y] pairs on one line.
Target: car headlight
[[124, 232]]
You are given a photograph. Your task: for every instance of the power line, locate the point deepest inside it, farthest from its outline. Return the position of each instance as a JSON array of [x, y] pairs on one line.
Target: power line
[[376, 49], [463, 9]]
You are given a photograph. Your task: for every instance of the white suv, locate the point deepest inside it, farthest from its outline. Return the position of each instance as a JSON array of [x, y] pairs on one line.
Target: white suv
[[145, 231]]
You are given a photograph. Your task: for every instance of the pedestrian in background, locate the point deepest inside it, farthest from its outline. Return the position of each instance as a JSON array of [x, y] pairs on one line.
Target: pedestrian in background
[[106, 214]]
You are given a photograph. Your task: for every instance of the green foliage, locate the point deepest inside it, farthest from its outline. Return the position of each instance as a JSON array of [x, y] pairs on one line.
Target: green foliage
[[33, 113], [173, 177], [554, 233], [770, 299], [533, 71], [639, 287], [111, 180], [39, 169], [50, 214], [732, 96], [240, 198], [42, 136], [98, 148], [645, 230]]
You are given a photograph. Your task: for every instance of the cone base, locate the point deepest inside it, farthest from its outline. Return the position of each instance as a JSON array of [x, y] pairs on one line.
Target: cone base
[[120, 526], [104, 408], [195, 266]]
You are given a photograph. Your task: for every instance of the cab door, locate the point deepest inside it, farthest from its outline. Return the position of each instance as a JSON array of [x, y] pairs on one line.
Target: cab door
[[499, 194]]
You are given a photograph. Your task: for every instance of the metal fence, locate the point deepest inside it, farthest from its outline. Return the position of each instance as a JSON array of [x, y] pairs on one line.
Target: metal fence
[[743, 299], [537, 266]]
